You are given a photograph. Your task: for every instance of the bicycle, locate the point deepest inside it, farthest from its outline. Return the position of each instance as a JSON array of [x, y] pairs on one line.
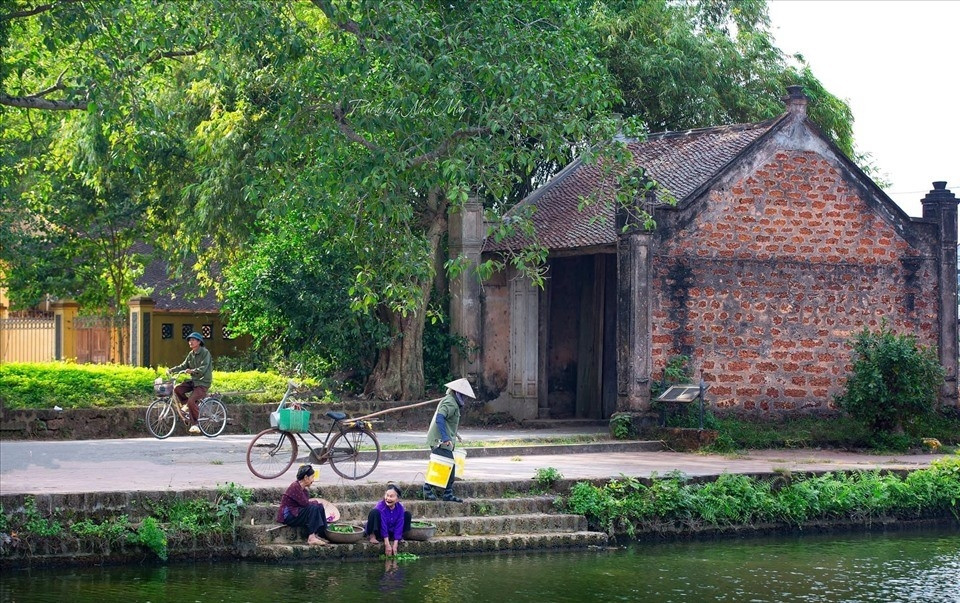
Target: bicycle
[[163, 412], [350, 445]]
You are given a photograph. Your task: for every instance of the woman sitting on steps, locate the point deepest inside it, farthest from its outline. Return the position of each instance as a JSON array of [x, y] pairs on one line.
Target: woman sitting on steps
[[298, 510]]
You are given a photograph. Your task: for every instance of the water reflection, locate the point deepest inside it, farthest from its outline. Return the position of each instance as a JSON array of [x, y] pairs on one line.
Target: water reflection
[[868, 568]]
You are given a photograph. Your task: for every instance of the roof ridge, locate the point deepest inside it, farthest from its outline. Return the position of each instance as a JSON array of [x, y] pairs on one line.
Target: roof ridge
[[759, 125]]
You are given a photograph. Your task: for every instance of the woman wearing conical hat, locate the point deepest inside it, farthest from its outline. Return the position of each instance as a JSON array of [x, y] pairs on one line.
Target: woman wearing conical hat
[[444, 429]]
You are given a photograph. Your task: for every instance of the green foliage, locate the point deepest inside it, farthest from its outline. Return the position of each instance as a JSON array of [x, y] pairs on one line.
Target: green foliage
[[626, 505], [151, 535], [692, 64], [894, 380], [35, 523], [49, 384], [438, 344], [231, 500], [828, 431], [547, 477], [621, 426], [114, 531], [676, 371], [289, 292]]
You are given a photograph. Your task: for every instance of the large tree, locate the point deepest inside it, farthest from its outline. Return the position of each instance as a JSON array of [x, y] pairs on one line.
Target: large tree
[[285, 135]]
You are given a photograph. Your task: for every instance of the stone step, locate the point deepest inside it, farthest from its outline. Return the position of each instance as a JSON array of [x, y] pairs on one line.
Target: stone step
[[356, 511], [535, 449], [553, 424], [440, 545], [340, 494], [532, 523]]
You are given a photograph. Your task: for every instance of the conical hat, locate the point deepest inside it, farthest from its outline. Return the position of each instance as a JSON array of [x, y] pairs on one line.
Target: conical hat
[[462, 386]]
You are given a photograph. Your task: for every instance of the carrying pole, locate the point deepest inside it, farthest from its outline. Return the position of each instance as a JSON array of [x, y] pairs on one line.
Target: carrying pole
[[389, 410]]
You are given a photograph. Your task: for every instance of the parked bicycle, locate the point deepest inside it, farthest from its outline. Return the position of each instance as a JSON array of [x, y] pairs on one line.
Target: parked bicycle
[[350, 445], [166, 409]]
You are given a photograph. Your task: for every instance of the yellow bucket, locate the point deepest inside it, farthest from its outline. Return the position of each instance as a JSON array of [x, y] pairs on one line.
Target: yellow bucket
[[438, 470], [460, 462]]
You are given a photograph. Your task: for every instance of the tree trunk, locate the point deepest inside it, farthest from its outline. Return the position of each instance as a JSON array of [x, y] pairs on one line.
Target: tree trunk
[[398, 374]]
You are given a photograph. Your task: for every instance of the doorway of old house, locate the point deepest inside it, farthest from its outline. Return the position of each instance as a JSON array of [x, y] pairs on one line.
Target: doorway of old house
[[581, 369]]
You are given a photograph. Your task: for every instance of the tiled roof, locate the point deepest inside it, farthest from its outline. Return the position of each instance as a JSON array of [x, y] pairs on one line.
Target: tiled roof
[[681, 162], [169, 294]]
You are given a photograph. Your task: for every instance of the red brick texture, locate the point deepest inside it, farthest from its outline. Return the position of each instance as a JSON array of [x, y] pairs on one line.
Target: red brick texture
[[765, 287]]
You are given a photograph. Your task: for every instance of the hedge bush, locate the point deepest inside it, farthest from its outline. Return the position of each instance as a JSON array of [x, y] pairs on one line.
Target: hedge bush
[[49, 384]]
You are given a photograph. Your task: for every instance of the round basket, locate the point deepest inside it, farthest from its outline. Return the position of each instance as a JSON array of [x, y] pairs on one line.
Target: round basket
[[420, 531], [343, 537]]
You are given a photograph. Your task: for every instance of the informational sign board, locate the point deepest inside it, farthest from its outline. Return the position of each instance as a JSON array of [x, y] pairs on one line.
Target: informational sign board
[[680, 393]]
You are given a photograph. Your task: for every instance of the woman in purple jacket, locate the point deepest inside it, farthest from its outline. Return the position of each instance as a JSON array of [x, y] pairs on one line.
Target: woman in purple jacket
[[297, 510], [388, 521]]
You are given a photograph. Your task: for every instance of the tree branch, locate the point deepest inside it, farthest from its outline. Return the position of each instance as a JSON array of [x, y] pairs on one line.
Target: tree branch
[[349, 25], [172, 54], [37, 100], [446, 144], [341, 118], [35, 10]]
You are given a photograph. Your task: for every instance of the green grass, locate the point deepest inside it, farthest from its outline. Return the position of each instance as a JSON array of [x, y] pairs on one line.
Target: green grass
[[839, 431]]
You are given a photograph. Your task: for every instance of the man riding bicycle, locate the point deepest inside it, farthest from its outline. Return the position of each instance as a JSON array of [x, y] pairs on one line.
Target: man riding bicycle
[[199, 365]]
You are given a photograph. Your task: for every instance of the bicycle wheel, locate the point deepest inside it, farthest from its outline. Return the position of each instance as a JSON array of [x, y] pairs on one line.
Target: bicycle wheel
[[354, 453], [271, 453], [161, 418], [213, 417]]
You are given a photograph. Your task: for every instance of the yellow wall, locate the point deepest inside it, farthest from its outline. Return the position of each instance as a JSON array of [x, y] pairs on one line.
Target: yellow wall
[[170, 351]]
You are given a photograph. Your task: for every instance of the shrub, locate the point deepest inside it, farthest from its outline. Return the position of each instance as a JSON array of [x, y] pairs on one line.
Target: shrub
[[626, 505], [67, 385], [894, 380], [547, 476]]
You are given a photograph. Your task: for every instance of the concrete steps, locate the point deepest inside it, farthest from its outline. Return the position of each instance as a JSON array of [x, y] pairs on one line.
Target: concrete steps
[[448, 545], [507, 516]]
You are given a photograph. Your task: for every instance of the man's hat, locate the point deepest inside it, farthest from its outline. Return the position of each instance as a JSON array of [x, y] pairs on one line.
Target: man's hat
[[196, 336], [462, 386]]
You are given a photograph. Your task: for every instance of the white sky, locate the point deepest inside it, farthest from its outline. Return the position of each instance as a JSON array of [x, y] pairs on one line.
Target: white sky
[[897, 64]]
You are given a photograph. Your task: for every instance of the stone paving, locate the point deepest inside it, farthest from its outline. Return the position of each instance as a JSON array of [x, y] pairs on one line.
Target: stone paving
[[182, 463]]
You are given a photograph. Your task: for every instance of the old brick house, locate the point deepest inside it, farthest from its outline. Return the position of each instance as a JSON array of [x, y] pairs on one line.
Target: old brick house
[[779, 250]]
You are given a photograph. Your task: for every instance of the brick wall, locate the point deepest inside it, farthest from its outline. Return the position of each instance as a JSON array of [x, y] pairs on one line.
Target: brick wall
[[773, 276]]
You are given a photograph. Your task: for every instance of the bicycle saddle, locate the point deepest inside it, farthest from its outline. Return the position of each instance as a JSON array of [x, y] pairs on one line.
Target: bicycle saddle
[[336, 415]]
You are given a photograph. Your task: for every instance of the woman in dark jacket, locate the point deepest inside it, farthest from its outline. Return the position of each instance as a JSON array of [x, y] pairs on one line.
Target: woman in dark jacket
[[297, 510]]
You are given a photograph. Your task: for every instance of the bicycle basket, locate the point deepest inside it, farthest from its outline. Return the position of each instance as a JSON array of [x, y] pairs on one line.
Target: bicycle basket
[[162, 388], [297, 421]]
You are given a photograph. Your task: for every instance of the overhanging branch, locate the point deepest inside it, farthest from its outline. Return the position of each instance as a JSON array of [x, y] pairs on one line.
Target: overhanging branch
[[38, 102], [42, 8]]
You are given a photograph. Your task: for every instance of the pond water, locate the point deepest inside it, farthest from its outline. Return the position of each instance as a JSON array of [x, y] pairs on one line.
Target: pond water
[[914, 566]]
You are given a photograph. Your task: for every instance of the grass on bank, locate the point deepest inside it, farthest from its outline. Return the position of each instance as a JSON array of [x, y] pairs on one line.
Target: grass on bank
[[628, 505], [170, 518]]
